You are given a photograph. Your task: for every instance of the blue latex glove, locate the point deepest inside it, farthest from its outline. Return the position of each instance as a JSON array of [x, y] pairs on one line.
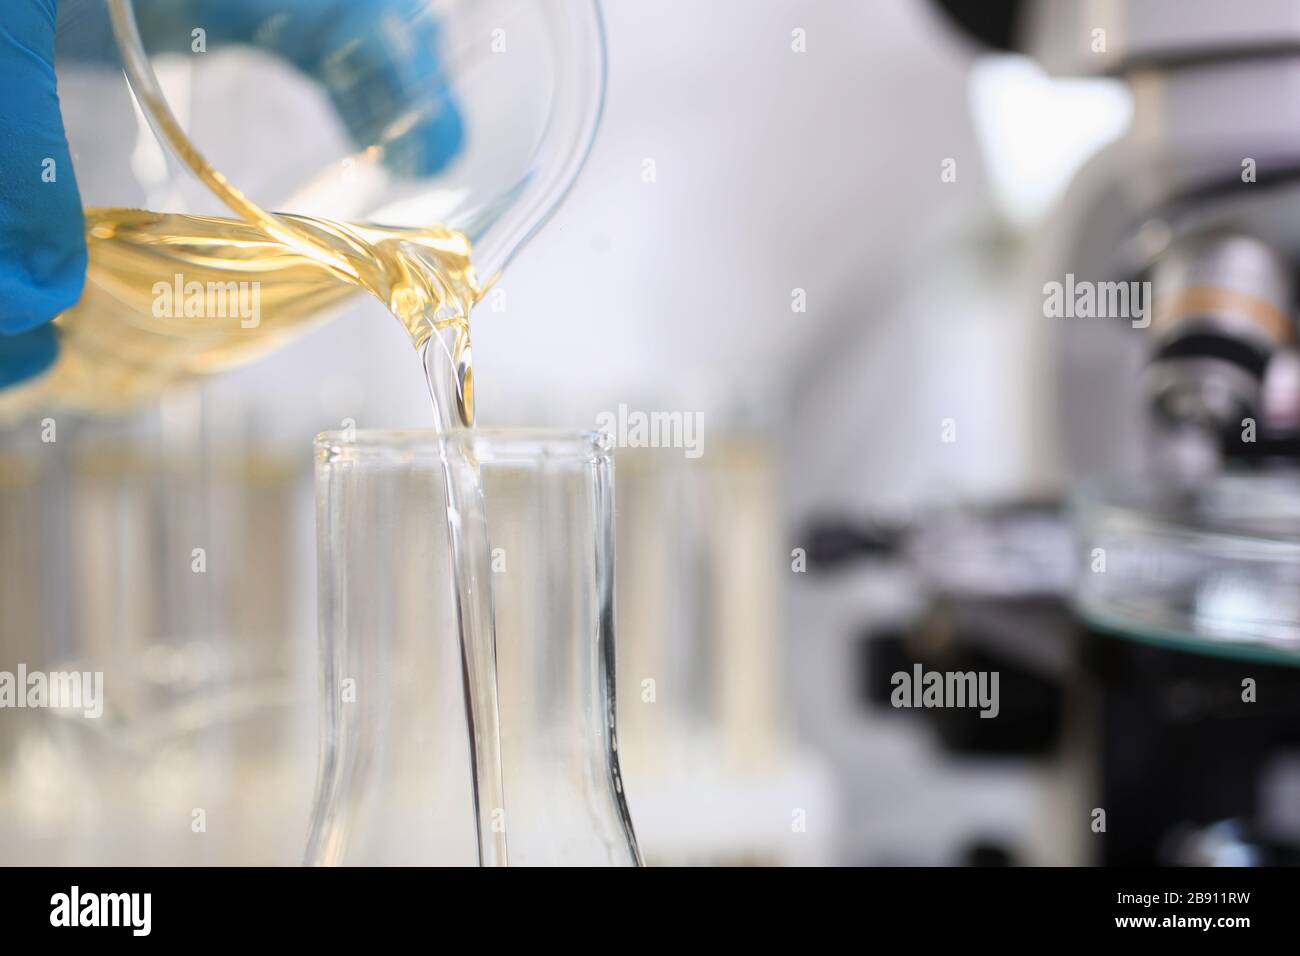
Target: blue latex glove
[[370, 57], [42, 249]]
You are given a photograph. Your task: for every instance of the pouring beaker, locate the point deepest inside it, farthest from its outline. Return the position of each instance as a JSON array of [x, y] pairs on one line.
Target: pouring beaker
[[400, 114]]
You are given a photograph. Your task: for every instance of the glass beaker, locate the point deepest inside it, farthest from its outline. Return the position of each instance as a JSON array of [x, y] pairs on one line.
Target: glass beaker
[[395, 767], [429, 115]]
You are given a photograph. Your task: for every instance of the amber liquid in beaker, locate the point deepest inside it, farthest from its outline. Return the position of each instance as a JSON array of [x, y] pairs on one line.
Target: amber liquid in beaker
[[169, 297]]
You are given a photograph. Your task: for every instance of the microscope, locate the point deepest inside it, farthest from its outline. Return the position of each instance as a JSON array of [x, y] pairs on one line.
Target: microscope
[[1147, 625], [1183, 710]]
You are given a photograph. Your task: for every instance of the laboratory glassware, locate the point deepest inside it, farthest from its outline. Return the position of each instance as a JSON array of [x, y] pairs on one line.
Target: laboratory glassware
[[395, 782], [158, 554], [191, 124]]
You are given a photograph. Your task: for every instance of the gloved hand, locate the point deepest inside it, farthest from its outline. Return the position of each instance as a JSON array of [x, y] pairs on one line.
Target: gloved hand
[[370, 56]]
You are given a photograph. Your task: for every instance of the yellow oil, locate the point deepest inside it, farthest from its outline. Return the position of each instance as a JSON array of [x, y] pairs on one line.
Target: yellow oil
[[170, 297]]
